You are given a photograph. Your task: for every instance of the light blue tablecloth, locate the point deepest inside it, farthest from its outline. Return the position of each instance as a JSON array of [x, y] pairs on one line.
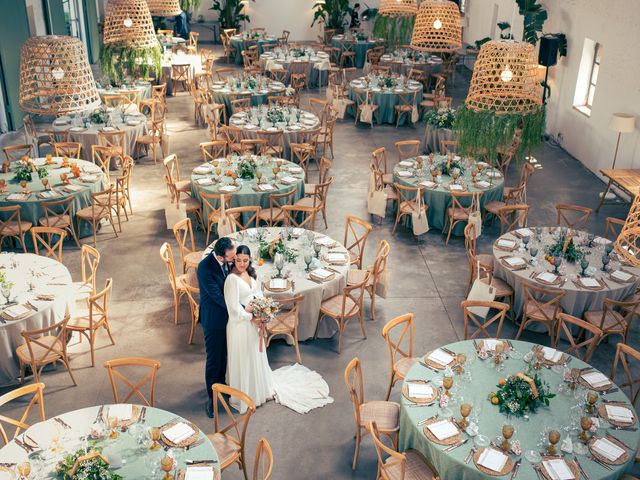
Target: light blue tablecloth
[[237, 42], [361, 48], [386, 100]]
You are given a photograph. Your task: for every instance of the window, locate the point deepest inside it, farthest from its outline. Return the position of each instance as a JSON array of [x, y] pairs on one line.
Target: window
[[71, 18], [588, 76]]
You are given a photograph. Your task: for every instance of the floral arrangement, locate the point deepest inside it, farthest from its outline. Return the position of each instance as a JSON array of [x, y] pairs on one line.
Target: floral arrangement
[[265, 309], [91, 469], [252, 83], [4, 283], [387, 82], [25, 172], [568, 250], [297, 52], [269, 249], [447, 165], [99, 116], [361, 37], [275, 115], [441, 117], [247, 168], [520, 394]]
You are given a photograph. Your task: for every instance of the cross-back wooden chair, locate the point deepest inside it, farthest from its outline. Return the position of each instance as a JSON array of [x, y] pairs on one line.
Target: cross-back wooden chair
[[541, 305], [148, 365], [301, 154], [35, 392], [58, 136], [573, 216], [615, 317], [356, 232], [513, 197], [348, 55], [379, 156], [68, 149], [317, 200], [448, 146], [59, 214], [97, 317], [407, 149], [275, 142], [175, 280], [153, 139], [158, 95], [629, 359], [504, 157], [215, 114], [472, 255], [300, 69], [363, 100], [230, 439], [407, 201], [193, 42], [211, 211], [180, 75], [13, 227], [318, 107], [323, 176], [200, 102], [113, 100], [89, 261], [406, 102], [612, 228], [513, 217], [299, 216], [263, 464], [240, 103], [286, 322], [324, 140], [589, 334], [101, 156], [16, 152], [400, 466], [384, 413], [279, 75], [32, 136], [45, 246], [233, 136], [192, 293], [189, 256], [253, 146], [481, 323], [172, 172], [130, 100], [100, 209], [344, 306], [224, 73], [398, 334], [42, 347], [525, 174], [121, 196], [241, 218], [274, 215], [458, 212]]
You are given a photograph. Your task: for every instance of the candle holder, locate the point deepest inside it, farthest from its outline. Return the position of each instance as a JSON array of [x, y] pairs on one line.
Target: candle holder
[[585, 425], [554, 438]]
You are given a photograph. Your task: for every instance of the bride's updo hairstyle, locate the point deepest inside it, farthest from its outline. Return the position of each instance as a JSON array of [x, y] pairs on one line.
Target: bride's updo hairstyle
[[244, 250]]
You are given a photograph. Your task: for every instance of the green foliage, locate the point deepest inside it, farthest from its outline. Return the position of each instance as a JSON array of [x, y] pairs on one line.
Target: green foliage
[[230, 13], [332, 13], [93, 469], [369, 13], [395, 30], [119, 60], [24, 173], [247, 168], [503, 26], [190, 5], [440, 118], [516, 396], [267, 250], [275, 115], [534, 17], [572, 254], [482, 132], [4, 283], [99, 115]]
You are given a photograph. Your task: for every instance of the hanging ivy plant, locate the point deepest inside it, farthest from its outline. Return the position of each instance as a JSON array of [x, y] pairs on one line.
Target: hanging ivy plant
[[482, 132], [190, 5], [117, 61], [395, 30]]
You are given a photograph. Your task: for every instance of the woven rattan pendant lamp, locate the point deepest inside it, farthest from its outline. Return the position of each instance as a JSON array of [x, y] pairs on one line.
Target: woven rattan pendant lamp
[[628, 243], [164, 8], [398, 8], [437, 28], [505, 79], [128, 22], [55, 76]]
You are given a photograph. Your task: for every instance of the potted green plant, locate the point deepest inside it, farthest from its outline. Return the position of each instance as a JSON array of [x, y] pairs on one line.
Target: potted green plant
[[118, 61], [504, 27], [332, 13], [230, 13], [395, 30]]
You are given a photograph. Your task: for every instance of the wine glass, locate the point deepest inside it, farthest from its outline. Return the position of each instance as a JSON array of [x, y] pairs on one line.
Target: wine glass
[[447, 382], [278, 262], [465, 411], [554, 438], [23, 184], [24, 470], [275, 171], [317, 248], [507, 432], [605, 261], [6, 293], [525, 242], [234, 175], [166, 464], [308, 256], [154, 434], [259, 176], [584, 264], [113, 426], [557, 261], [585, 425], [608, 248], [45, 183]]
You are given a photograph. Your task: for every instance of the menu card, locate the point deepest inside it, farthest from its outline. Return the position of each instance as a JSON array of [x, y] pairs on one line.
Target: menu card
[[596, 379], [441, 357], [620, 414], [607, 449], [492, 459], [179, 432], [420, 390], [443, 429], [558, 469], [199, 473]]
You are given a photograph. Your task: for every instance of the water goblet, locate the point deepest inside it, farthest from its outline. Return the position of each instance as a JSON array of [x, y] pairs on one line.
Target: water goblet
[[465, 411], [605, 262], [45, 183], [608, 248], [585, 425], [317, 248], [234, 175], [557, 261], [554, 438], [590, 238], [23, 184], [584, 264], [525, 242], [308, 256], [24, 470], [113, 427], [534, 254], [507, 432], [166, 464], [154, 434], [278, 262], [259, 175], [592, 399], [447, 382], [3, 184]]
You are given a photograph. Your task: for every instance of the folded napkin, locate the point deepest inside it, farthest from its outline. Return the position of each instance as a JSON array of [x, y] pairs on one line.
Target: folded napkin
[[74, 188], [133, 123], [454, 186], [204, 181], [607, 449], [16, 311], [441, 357], [289, 179], [443, 429], [295, 169], [620, 414], [589, 282], [491, 343], [406, 163], [48, 194], [76, 129], [492, 459], [428, 184], [336, 257], [322, 273], [515, 261], [525, 232], [494, 174], [620, 275], [179, 432], [326, 241], [123, 411], [199, 473], [420, 390], [558, 469], [278, 283], [108, 129], [89, 178], [596, 379], [547, 277], [404, 173], [483, 164], [202, 170], [298, 231], [265, 187], [17, 197], [551, 354], [228, 188], [483, 184]]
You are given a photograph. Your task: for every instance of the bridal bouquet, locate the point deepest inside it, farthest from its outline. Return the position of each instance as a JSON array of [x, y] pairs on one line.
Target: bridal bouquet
[[264, 308]]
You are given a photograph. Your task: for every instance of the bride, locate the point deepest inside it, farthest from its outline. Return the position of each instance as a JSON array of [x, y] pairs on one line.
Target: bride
[[294, 386]]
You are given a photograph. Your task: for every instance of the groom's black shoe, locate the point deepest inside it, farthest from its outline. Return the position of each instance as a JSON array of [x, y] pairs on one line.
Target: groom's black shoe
[[209, 408]]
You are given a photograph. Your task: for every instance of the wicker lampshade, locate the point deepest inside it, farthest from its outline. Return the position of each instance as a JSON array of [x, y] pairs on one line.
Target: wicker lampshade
[[55, 76], [505, 79], [398, 8], [437, 27], [628, 242], [164, 8], [128, 22]]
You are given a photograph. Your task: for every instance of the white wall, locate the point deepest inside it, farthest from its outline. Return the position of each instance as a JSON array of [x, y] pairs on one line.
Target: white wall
[[615, 24], [35, 13]]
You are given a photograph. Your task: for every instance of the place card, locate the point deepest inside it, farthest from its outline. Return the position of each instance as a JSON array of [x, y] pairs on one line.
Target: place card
[[228, 188], [490, 343], [406, 163], [443, 429], [454, 187], [265, 187], [295, 169], [325, 241], [73, 188], [441, 357], [506, 243], [494, 174], [18, 197], [596, 379], [620, 414], [108, 129], [622, 276], [420, 390], [333, 257], [321, 274], [89, 178], [199, 473], [278, 284], [178, 433], [202, 170], [483, 184], [551, 354], [558, 469], [607, 449], [493, 459], [48, 194]]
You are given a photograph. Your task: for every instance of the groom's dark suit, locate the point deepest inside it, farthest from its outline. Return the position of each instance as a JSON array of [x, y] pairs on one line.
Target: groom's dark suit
[[213, 318]]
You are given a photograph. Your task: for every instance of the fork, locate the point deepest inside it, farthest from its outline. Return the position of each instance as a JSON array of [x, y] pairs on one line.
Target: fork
[[470, 454]]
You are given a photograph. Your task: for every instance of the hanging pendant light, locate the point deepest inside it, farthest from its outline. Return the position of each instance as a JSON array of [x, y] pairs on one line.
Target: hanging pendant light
[[55, 76], [128, 22], [438, 27], [164, 8], [628, 242], [505, 78], [398, 8]]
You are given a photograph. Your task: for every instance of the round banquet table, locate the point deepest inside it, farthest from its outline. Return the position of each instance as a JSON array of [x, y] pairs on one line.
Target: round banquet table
[[361, 47], [143, 89], [313, 292], [237, 42], [317, 69], [179, 58], [438, 195], [205, 178], [221, 93], [48, 278], [385, 98], [65, 434], [577, 298], [400, 63], [170, 42], [432, 138], [134, 126], [250, 127], [562, 412], [31, 205]]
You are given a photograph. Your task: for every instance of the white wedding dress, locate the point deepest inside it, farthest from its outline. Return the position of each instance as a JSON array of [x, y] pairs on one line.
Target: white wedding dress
[[294, 386]]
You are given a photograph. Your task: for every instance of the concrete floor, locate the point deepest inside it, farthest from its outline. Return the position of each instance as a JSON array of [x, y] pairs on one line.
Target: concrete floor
[[428, 278]]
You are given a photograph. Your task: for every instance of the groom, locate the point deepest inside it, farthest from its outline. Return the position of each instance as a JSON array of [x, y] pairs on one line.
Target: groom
[[212, 272]]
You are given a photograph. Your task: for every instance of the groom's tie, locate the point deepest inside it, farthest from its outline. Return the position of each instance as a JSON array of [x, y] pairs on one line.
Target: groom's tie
[[225, 269]]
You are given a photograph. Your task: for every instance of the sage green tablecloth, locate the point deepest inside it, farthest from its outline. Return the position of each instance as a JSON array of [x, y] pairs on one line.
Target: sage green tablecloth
[[220, 93], [31, 209], [484, 379], [439, 198], [361, 48], [247, 195], [136, 458], [577, 299], [432, 138], [237, 42], [386, 99]]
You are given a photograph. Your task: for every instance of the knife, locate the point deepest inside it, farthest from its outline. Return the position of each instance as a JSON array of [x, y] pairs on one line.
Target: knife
[[427, 366], [470, 454], [584, 474], [196, 462], [515, 470], [62, 422], [456, 445]]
